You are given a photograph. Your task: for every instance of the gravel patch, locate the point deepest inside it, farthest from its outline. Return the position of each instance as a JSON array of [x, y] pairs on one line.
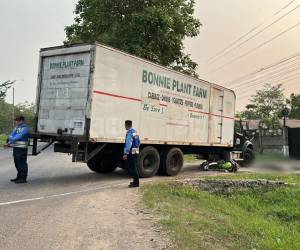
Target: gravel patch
[[228, 186]]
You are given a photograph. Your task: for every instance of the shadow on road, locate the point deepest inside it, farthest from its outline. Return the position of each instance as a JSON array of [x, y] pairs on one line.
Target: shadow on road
[[81, 178], [78, 178]]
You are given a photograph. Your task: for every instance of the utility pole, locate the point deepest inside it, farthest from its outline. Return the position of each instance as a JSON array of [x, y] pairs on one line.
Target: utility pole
[[13, 101], [260, 138], [285, 113], [261, 148], [13, 107]]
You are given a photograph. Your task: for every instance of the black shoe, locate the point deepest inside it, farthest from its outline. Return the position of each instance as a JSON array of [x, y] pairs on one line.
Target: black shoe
[[20, 181], [133, 185], [13, 180]]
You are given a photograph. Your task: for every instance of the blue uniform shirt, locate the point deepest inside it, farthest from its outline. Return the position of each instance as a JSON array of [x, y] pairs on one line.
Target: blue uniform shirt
[[19, 134], [131, 141]]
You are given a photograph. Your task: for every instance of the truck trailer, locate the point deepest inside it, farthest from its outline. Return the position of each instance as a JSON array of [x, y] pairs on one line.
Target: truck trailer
[[86, 92]]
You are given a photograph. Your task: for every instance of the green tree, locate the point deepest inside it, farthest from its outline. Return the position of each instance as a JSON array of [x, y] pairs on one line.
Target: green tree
[[294, 103], [28, 111], [152, 29], [6, 118], [6, 115], [266, 105], [250, 113], [4, 87]]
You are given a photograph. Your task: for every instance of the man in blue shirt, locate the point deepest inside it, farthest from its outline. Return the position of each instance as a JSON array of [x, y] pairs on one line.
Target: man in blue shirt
[[131, 152], [19, 140]]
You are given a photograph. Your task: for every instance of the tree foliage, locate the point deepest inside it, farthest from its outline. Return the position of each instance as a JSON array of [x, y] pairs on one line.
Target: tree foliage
[[4, 87], [266, 105], [6, 115], [152, 29], [294, 103]]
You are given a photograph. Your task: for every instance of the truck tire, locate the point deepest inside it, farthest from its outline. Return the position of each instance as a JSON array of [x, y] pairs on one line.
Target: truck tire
[[148, 162], [102, 165], [248, 156], [171, 162]]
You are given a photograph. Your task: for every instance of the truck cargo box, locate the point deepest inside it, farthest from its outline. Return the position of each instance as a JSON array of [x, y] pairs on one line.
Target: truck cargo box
[[89, 91]]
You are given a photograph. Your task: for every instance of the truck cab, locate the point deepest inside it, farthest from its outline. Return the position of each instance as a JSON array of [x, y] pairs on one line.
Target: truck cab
[[243, 138]]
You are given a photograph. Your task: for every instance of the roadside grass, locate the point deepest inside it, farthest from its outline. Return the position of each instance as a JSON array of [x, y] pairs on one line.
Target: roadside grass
[[2, 139], [270, 158], [248, 219], [190, 159]]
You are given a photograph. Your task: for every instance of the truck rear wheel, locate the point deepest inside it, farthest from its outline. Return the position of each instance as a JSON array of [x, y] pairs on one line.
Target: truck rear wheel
[[149, 161], [248, 156], [102, 165], [172, 162]]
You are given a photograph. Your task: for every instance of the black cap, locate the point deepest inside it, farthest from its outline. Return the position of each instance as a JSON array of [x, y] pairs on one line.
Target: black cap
[[20, 118]]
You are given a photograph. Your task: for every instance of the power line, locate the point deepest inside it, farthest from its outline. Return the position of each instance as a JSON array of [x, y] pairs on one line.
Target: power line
[[284, 7], [249, 32], [292, 83], [295, 77], [256, 34], [266, 78], [273, 70], [265, 68], [291, 78], [233, 43], [256, 48], [277, 77], [271, 74], [280, 81]]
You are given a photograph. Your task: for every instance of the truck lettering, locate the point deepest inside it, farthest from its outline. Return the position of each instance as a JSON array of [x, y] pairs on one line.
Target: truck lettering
[[199, 92], [67, 64], [173, 84], [182, 87], [153, 96], [177, 101], [155, 79], [145, 76]]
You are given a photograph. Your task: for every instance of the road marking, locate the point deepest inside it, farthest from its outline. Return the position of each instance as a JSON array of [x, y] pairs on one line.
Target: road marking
[[20, 201], [65, 194]]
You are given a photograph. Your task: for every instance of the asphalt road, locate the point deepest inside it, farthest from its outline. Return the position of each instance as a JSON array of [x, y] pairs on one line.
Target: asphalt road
[[66, 206], [50, 174]]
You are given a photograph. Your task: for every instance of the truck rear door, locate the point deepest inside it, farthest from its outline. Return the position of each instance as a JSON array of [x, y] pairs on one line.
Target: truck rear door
[[63, 92], [216, 115]]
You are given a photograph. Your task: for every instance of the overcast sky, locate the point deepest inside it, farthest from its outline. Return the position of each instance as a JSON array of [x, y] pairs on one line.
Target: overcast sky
[[27, 26]]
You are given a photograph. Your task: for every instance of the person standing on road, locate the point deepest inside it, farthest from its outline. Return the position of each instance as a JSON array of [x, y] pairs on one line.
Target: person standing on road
[[131, 152], [19, 140]]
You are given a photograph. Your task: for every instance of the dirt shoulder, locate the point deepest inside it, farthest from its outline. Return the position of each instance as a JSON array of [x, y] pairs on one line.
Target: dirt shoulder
[[125, 223]]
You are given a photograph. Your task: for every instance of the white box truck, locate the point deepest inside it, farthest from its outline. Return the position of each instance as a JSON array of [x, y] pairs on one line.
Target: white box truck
[[86, 92]]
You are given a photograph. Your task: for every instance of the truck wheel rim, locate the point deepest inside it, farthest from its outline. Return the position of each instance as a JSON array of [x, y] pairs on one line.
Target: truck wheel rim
[[149, 162], [175, 161]]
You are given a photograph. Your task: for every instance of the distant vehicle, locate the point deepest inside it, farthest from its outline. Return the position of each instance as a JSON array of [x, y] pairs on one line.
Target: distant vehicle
[[86, 92]]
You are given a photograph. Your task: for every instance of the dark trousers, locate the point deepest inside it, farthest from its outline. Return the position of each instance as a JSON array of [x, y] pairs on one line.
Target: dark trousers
[[20, 159], [133, 167]]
